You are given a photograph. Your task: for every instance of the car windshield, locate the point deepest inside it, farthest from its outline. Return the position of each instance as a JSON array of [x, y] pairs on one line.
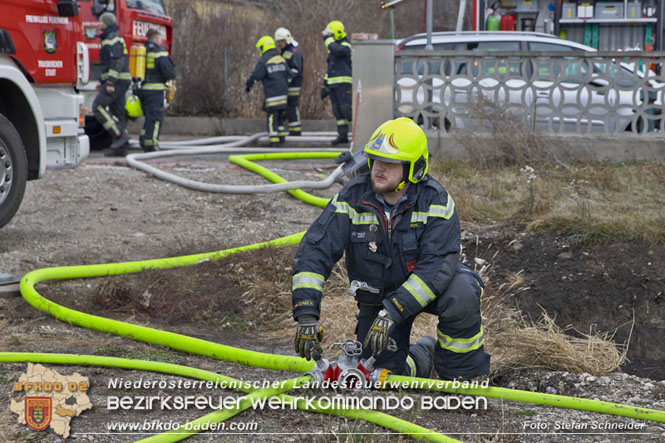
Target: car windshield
[[155, 6]]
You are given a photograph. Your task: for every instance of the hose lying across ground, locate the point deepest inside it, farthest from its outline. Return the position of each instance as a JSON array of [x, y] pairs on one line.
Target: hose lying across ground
[[246, 357]]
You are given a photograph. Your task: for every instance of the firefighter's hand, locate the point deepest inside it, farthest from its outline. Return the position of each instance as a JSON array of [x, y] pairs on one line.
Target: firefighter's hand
[[377, 337], [325, 92], [248, 88], [308, 336], [110, 89]]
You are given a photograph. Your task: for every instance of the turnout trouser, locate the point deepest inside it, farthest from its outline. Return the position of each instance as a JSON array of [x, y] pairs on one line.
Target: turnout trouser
[[340, 98], [292, 113], [109, 109], [152, 103], [275, 120], [459, 352]]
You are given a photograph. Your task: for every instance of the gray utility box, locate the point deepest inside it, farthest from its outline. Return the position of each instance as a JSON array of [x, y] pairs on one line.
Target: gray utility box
[[633, 10], [609, 10], [569, 11], [527, 6]]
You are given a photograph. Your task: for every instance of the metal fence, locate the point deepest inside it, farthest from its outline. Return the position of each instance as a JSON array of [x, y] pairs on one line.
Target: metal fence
[[602, 92]]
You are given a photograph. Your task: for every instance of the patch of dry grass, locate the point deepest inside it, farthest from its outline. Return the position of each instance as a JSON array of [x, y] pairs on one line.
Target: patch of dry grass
[[546, 345], [592, 202]]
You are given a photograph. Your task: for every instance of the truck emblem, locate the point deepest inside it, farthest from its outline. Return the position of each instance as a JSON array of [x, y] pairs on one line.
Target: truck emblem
[[50, 41]]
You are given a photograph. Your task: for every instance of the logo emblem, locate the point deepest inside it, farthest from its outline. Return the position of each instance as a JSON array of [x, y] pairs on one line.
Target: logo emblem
[[50, 41], [38, 412], [90, 33]]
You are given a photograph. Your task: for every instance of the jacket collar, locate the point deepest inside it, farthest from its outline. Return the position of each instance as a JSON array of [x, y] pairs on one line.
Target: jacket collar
[[113, 27]]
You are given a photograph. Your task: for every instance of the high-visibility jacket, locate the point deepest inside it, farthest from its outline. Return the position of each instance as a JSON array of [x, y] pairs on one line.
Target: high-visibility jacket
[[294, 60], [402, 264], [272, 71], [113, 56], [159, 68], [339, 62]]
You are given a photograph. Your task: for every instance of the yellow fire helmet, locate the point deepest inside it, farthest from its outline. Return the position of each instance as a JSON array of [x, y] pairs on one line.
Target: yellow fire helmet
[[283, 34], [266, 42], [133, 106], [336, 28], [400, 141]]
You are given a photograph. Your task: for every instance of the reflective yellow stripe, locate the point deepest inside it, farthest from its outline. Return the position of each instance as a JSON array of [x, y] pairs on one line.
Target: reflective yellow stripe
[[308, 280], [461, 345], [328, 41], [339, 80], [439, 211], [412, 365], [276, 103], [362, 218], [419, 290], [115, 74], [154, 86], [113, 41], [275, 60]]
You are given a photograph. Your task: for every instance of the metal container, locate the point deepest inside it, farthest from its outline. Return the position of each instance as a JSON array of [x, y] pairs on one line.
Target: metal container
[[633, 10], [609, 10], [568, 11]]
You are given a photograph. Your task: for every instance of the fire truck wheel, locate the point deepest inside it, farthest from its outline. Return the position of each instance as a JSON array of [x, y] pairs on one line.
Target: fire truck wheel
[[13, 170], [99, 137]]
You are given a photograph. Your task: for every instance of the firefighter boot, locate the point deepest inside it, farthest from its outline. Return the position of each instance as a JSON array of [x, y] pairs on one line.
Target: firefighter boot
[[340, 139], [120, 141], [422, 354]]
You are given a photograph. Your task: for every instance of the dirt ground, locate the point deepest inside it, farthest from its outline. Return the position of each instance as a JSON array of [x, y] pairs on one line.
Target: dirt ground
[[103, 212]]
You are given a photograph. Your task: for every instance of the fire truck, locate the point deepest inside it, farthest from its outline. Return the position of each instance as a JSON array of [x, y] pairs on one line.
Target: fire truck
[[42, 61], [134, 18]]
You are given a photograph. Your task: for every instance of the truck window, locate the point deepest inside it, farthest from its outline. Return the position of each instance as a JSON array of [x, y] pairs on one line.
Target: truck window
[[154, 6]]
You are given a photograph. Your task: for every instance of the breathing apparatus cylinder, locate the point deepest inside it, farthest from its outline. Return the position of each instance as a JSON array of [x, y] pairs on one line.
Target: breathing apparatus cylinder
[[137, 55], [493, 22]]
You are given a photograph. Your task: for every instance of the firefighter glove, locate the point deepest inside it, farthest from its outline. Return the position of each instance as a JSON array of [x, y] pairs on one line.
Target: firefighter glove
[[377, 337], [309, 334], [324, 92], [248, 85]]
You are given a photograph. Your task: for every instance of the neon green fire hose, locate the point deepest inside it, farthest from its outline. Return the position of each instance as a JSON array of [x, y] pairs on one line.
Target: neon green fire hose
[[252, 358], [379, 418]]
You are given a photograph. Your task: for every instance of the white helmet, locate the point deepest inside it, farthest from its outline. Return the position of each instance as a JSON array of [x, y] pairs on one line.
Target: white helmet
[[283, 34]]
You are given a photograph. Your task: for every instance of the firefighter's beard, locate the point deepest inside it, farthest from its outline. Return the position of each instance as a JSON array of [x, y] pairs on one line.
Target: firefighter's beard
[[386, 180]]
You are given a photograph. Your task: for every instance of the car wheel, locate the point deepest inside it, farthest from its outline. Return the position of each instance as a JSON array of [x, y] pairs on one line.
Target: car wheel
[[13, 170], [99, 137]]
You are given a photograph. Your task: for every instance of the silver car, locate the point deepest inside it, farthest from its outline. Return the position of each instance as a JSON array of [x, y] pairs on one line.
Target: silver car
[[566, 93]]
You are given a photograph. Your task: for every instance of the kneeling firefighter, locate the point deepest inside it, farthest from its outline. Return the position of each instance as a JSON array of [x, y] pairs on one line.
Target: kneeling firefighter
[[399, 232]]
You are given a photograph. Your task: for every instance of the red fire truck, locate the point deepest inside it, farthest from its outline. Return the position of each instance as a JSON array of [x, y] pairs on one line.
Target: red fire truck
[[42, 61], [134, 18]]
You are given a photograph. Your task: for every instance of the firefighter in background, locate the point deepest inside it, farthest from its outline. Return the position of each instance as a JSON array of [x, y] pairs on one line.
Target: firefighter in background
[[272, 71], [294, 61], [159, 68], [338, 80], [109, 105], [400, 234]]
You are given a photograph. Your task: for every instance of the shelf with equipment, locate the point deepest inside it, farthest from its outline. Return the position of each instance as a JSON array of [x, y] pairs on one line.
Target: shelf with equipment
[[605, 25], [611, 25]]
